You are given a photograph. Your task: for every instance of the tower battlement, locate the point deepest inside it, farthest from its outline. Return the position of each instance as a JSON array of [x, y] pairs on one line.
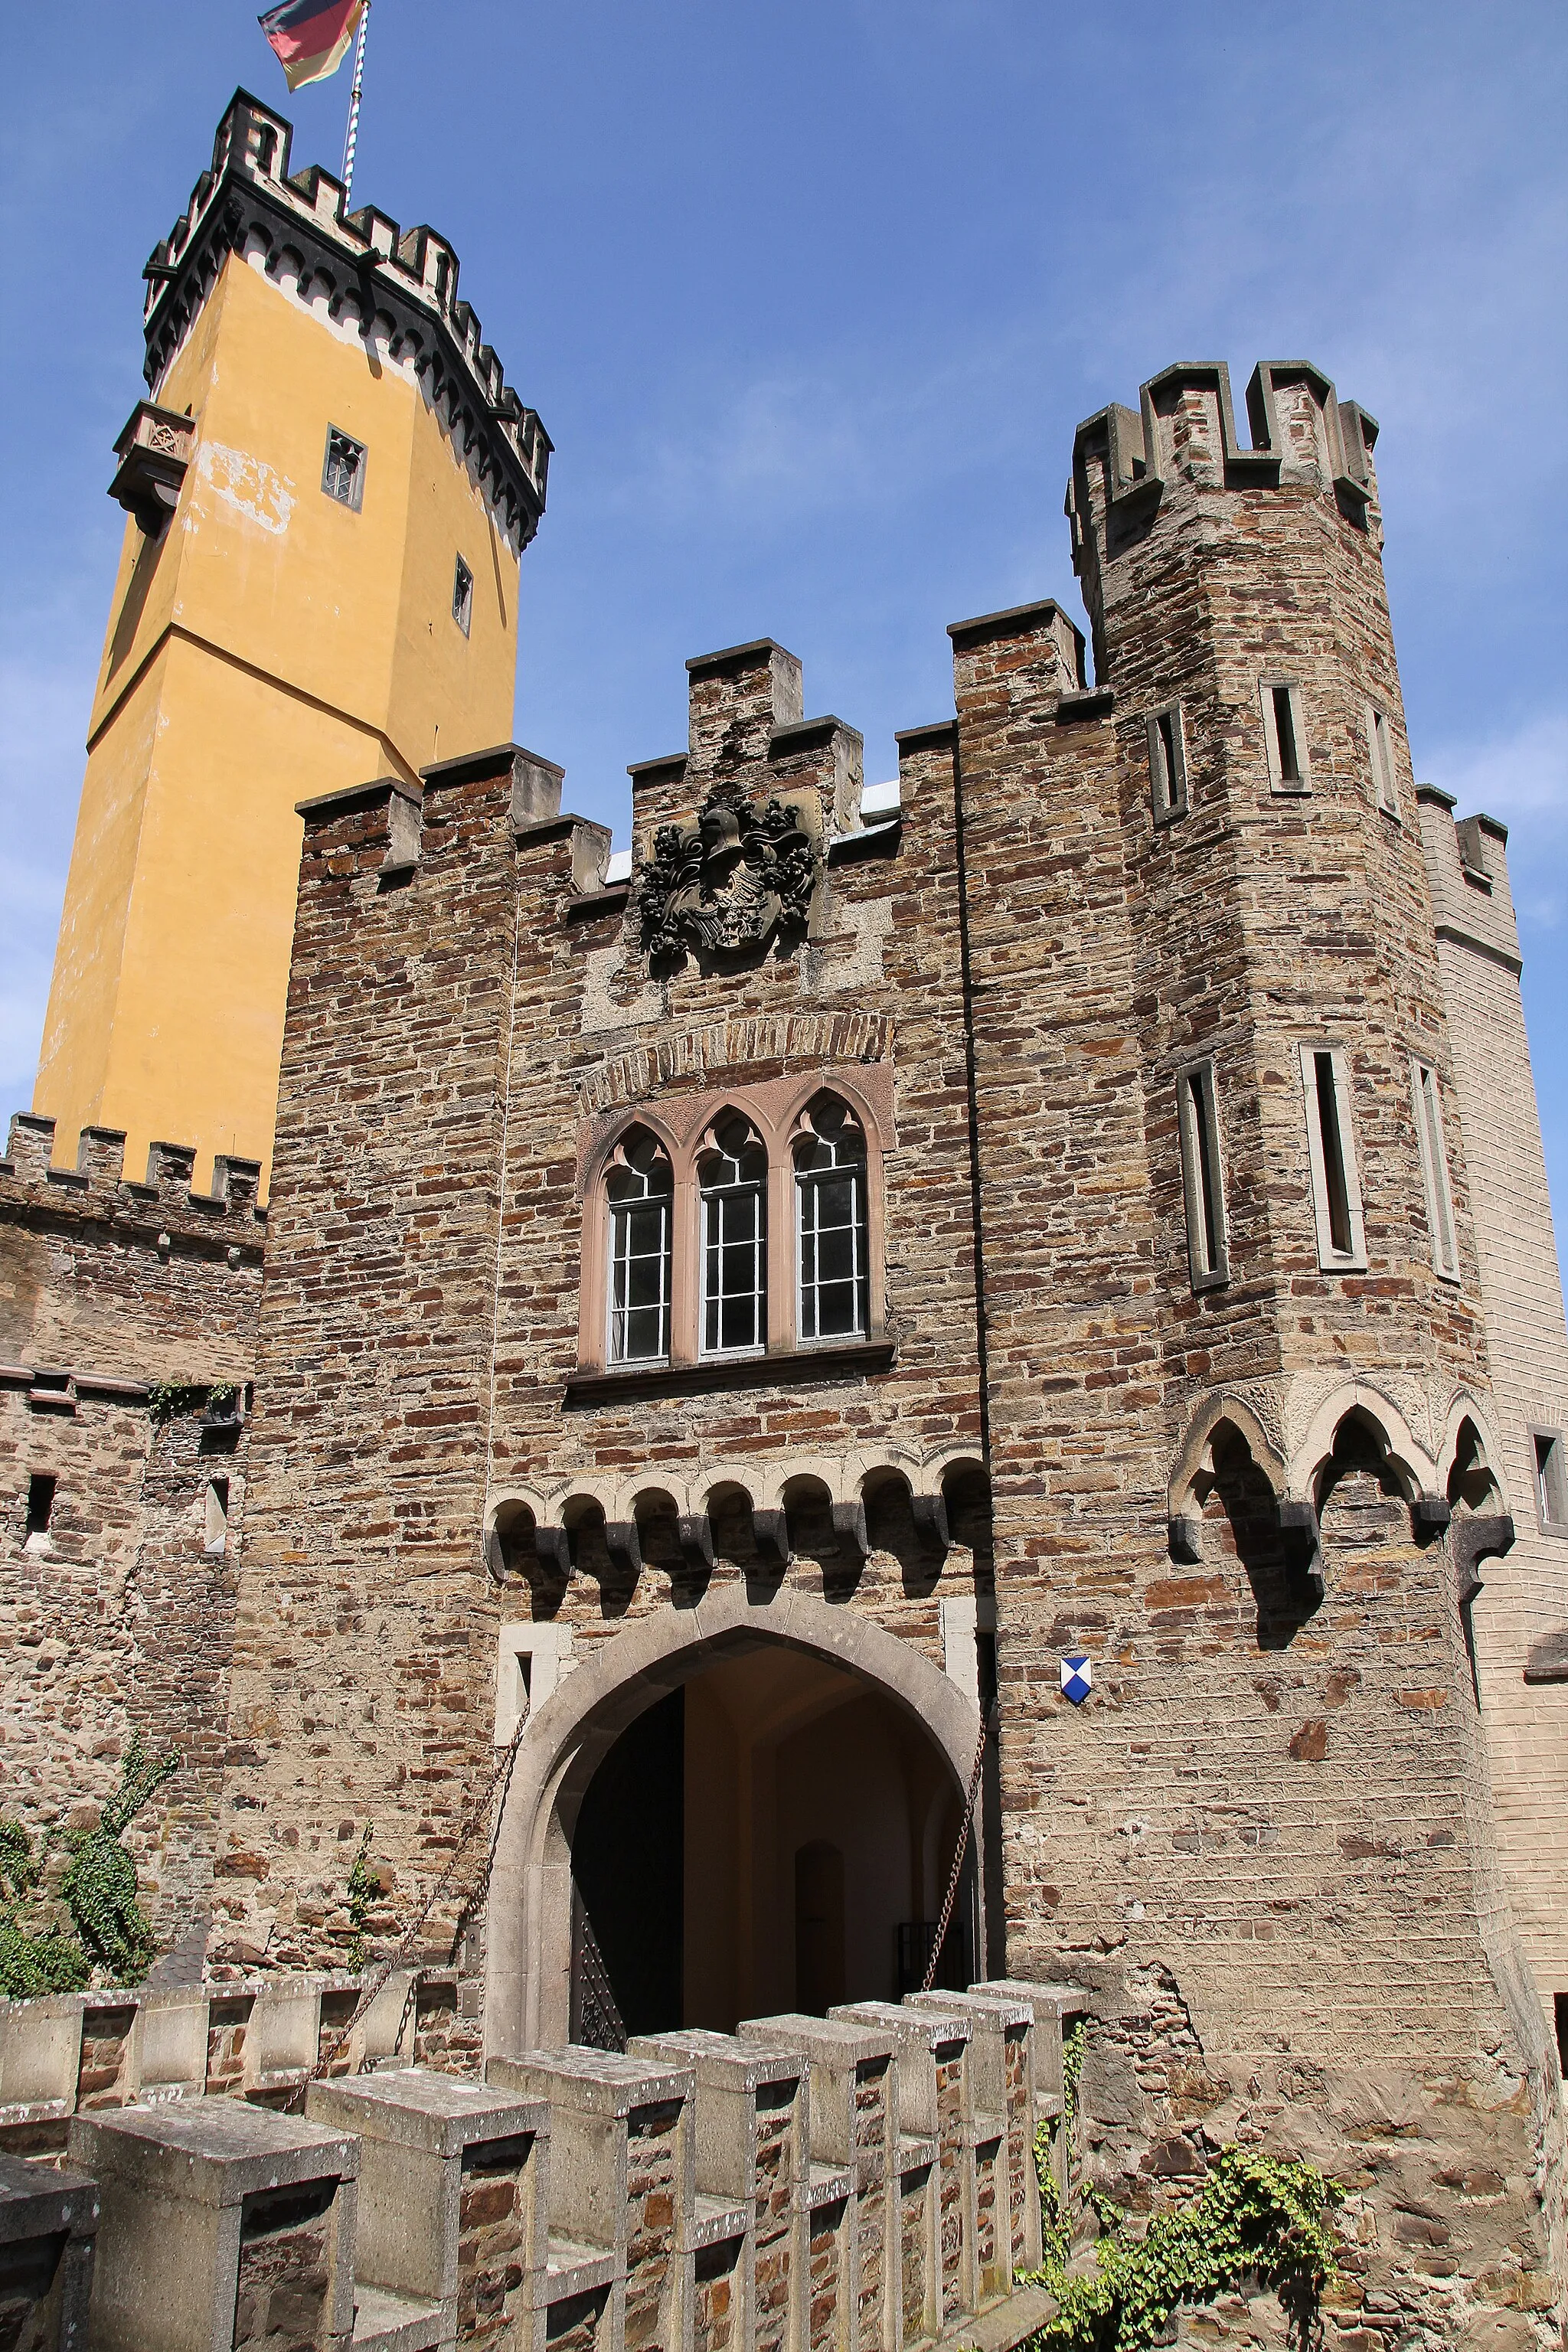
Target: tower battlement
[[1183, 431], [400, 283]]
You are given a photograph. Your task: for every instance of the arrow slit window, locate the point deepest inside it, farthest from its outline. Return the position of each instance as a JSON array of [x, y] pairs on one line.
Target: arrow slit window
[[831, 1223], [1433, 1149], [1208, 1253], [1331, 1149]]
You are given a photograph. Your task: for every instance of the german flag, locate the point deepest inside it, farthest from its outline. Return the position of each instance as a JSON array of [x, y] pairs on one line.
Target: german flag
[[311, 38]]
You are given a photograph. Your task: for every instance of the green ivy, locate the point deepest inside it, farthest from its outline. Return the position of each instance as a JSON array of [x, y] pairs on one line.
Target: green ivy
[[364, 1885], [166, 1400], [33, 1960], [1254, 2217], [98, 1888]]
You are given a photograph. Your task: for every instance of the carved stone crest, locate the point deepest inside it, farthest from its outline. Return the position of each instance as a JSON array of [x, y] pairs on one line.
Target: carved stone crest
[[744, 870]]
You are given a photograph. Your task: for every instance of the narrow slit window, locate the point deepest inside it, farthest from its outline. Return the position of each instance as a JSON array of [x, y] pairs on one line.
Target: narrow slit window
[[733, 1180], [1208, 1243], [216, 1512], [1380, 745], [1336, 1186], [463, 596], [40, 1504], [830, 1197], [1167, 763], [342, 470], [1552, 1478], [640, 1190], [1433, 1148], [1284, 738]]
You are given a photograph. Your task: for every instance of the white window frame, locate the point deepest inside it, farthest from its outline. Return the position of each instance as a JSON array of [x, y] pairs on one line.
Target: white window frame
[[1167, 767], [1199, 1125], [710, 1203], [1330, 1259], [1380, 753], [808, 1182], [1427, 1102], [1549, 1479], [617, 1317], [1290, 786]]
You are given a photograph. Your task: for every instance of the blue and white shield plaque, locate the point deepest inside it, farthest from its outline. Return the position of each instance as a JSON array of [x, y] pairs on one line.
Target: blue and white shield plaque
[[1078, 1678]]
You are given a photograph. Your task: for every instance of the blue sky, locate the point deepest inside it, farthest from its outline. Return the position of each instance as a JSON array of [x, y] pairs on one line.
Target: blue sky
[[811, 299]]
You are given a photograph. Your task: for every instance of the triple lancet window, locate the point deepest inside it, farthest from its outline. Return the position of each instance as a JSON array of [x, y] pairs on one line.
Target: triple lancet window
[[687, 1240]]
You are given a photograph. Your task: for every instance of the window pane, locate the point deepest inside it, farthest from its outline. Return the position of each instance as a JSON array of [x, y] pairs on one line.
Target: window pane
[[738, 1323], [836, 1257], [645, 1335], [836, 1307]]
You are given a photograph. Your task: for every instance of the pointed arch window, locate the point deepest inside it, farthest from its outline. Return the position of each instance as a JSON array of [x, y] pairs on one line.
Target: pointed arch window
[[733, 1176], [833, 1253], [639, 1190]]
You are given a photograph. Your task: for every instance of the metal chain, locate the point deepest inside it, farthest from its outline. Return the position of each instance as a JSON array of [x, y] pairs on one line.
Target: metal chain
[[500, 1784], [945, 1921]]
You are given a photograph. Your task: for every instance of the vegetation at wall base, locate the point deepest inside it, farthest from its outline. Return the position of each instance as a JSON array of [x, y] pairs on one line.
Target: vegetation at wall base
[[364, 1885], [97, 1888], [1256, 2220]]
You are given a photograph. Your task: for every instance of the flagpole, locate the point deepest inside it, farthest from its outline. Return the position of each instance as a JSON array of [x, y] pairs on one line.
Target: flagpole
[[353, 138]]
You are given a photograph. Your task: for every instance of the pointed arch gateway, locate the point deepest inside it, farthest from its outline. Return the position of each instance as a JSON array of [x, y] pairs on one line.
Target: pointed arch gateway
[[529, 1943]]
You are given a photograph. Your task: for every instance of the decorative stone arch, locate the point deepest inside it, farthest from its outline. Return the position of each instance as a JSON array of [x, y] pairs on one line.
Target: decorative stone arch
[[1195, 1455], [1466, 1407], [1408, 1459], [528, 1943]]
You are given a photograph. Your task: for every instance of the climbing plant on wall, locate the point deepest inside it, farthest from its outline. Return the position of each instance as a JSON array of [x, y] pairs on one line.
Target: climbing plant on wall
[[1254, 2217], [108, 1934]]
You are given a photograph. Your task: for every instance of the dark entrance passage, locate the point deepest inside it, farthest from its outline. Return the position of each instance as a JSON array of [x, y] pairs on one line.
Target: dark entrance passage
[[627, 1871], [777, 1834]]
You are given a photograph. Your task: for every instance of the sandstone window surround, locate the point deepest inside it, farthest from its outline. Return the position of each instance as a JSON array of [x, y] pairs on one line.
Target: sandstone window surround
[[1549, 1450], [1285, 736], [1380, 751], [1167, 764], [1203, 1177], [342, 469], [1428, 1102], [215, 1513], [770, 1214], [1331, 1156]]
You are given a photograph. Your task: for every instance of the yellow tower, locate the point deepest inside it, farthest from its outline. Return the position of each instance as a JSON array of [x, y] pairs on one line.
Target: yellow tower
[[328, 496]]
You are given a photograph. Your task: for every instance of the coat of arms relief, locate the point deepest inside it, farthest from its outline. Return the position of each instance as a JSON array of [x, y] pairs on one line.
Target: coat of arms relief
[[744, 871]]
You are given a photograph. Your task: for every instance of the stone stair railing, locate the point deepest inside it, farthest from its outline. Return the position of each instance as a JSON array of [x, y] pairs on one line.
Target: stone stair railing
[[863, 2182]]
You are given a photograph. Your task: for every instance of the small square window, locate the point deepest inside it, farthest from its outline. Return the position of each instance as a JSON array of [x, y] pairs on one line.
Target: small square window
[[1380, 746], [1551, 1479], [463, 596], [40, 1510], [1167, 764], [1284, 737], [342, 471]]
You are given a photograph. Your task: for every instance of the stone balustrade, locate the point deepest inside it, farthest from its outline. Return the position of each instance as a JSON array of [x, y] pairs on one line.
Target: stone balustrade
[[863, 2182]]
